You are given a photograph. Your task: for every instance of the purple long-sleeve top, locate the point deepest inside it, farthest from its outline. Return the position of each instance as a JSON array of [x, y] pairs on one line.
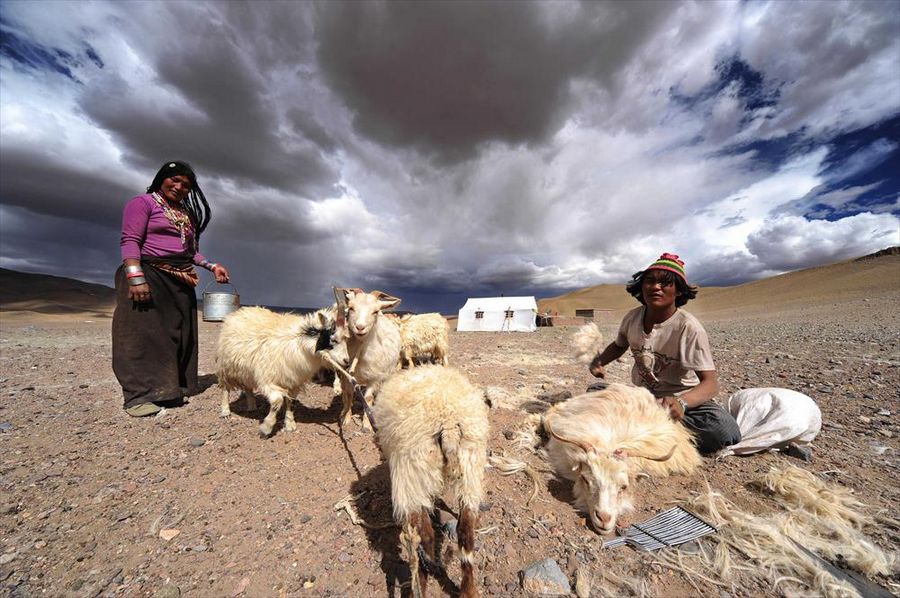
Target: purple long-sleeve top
[[146, 231]]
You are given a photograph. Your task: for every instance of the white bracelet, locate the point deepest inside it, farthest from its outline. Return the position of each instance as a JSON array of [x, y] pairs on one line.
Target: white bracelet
[[131, 269], [137, 280], [683, 404]]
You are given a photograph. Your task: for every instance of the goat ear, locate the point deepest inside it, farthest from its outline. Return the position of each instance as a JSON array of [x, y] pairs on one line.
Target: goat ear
[[386, 301]]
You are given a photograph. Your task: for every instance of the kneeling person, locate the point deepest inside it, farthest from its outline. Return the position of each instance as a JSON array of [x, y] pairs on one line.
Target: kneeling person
[[672, 357]]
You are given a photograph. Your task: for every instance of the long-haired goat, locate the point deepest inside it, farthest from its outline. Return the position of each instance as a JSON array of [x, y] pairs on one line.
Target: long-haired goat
[[273, 354], [422, 334], [433, 429], [373, 344], [601, 440]]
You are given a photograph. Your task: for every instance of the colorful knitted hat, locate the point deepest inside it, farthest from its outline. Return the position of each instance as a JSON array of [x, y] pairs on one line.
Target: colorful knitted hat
[[670, 262]]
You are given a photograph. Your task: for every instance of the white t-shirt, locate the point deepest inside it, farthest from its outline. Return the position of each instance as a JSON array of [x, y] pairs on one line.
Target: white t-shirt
[[666, 360]]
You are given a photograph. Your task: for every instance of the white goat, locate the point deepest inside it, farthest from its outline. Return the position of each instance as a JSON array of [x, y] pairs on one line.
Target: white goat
[[433, 429], [273, 354], [601, 440], [373, 344], [421, 334]]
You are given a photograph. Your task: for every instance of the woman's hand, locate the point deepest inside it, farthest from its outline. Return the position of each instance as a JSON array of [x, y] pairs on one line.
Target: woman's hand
[[221, 273], [139, 293]]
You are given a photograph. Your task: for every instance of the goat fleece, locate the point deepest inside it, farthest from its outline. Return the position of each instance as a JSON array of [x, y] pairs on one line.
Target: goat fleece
[[373, 345], [433, 429], [601, 440], [272, 354], [424, 334]]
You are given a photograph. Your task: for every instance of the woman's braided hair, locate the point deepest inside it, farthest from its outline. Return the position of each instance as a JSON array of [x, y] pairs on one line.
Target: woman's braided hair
[[195, 203]]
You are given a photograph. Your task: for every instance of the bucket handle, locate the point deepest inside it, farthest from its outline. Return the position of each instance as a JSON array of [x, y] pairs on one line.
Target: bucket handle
[[217, 282]]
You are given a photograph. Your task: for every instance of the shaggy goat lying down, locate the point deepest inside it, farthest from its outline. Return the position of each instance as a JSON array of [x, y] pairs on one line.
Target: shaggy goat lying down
[[602, 440], [433, 430], [272, 354]]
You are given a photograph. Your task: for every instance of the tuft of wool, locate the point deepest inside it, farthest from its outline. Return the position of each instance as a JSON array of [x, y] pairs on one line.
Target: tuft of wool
[[587, 342]]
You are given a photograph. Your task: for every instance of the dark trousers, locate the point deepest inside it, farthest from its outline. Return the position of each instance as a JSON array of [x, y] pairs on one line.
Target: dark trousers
[[154, 344], [713, 426]]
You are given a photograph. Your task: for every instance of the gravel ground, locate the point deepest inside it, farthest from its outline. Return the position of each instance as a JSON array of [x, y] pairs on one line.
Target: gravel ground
[[93, 502]]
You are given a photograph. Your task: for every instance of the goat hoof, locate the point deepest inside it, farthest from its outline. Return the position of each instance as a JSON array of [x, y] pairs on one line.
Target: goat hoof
[[290, 427], [264, 432], [225, 414]]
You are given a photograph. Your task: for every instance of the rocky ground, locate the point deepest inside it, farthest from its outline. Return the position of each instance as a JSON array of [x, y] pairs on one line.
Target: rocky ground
[[93, 502]]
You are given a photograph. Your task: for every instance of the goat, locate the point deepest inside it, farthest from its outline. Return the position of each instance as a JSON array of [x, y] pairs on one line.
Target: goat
[[421, 334], [602, 440], [373, 344], [273, 354], [433, 429]]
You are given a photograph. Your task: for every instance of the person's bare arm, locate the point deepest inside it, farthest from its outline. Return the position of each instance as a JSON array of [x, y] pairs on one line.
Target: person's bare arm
[[611, 353], [707, 389]]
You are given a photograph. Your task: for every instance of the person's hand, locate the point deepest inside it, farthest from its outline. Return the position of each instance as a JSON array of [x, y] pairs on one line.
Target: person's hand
[[139, 293], [596, 369], [674, 407], [221, 273]]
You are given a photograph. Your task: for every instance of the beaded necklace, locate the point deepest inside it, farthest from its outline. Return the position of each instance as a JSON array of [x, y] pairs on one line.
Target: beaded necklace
[[177, 217]]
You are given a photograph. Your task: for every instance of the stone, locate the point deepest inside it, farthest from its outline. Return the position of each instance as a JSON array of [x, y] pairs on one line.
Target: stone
[[799, 452], [690, 547], [555, 397], [544, 578], [197, 442], [168, 534], [8, 557], [168, 591], [584, 579]]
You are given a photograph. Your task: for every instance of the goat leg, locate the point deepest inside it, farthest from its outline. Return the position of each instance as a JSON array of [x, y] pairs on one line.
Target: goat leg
[[226, 406], [410, 539], [465, 532]]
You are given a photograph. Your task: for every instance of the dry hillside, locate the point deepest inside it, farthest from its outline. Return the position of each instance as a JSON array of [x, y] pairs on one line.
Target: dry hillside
[[821, 287]]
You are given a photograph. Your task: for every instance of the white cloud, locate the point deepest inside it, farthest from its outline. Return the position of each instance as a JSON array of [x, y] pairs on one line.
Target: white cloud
[[537, 146], [790, 242]]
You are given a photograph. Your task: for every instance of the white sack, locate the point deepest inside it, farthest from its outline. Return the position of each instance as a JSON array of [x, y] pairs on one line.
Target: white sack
[[772, 418]]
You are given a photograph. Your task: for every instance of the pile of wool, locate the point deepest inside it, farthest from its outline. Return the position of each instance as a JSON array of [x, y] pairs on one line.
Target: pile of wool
[[823, 518]]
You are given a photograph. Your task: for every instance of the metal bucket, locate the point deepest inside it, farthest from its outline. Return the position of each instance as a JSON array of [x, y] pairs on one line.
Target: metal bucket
[[218, 305]]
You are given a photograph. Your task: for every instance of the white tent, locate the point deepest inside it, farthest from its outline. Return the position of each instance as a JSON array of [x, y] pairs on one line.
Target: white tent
[[515, 314]]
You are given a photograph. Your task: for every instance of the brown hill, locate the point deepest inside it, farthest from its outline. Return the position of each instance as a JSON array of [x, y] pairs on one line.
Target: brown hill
[[873, 276], [24, 291]]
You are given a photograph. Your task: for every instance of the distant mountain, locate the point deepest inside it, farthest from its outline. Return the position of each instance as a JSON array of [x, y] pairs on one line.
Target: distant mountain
[[24, 291], [874, 275]]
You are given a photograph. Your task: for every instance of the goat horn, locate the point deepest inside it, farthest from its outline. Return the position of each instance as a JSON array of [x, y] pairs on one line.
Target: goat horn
[[582, 445], [665, 457]]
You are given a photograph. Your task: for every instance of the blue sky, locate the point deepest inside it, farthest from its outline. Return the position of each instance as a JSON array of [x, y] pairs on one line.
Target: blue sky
[[448, 149]]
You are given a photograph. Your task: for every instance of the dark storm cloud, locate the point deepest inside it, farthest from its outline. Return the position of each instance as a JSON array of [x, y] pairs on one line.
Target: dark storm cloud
[[221, 116], [75, 190], [46, 244], [446, 77]]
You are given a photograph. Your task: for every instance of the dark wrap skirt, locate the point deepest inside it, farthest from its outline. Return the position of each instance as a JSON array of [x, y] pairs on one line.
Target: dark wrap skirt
[[154, 344]]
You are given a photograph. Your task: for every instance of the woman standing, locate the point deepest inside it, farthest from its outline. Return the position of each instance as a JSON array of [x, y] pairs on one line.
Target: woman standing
[[154, 328]]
